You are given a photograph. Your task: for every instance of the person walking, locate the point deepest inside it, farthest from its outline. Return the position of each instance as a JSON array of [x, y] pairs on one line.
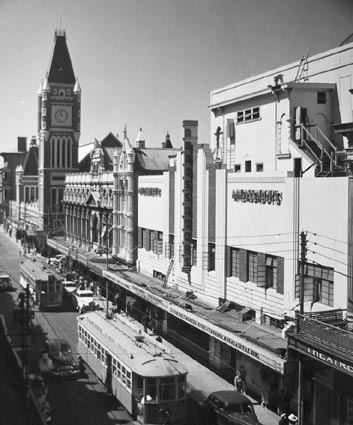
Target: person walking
[[238, 383]]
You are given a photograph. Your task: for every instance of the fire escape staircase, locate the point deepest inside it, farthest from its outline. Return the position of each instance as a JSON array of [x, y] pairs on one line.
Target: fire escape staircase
[[328, 158]]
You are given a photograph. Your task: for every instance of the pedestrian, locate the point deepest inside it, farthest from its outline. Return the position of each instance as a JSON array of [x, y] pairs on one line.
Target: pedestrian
[[265, 394], [242, 372], [283, 420], [128, 308], [238, 382], [145, 321]]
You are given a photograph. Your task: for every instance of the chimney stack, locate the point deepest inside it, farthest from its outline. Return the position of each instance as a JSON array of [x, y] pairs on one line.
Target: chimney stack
[[22, 144]]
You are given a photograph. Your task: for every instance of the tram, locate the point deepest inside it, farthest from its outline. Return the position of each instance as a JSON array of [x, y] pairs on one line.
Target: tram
[[44, 284], [148, 381]]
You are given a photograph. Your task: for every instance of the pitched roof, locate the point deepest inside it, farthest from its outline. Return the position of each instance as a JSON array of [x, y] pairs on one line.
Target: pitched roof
[[60, 68], [109, 144], [153, 159], [30, 165]]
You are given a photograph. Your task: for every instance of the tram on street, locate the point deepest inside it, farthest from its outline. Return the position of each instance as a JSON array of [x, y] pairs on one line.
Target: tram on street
[[139, 371], [45, 285]]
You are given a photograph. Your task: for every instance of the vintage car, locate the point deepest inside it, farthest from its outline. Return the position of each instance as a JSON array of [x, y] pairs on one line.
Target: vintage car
[[83, 300], [60, 353], [231, 408], [5, 282]]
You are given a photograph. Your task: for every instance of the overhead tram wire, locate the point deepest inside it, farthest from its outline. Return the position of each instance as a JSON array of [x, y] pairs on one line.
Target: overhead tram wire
[[327, 237], [332, 249], [329, 258], [250, 236]]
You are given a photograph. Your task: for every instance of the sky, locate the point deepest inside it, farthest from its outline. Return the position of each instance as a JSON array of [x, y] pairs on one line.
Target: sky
[[153, 63]]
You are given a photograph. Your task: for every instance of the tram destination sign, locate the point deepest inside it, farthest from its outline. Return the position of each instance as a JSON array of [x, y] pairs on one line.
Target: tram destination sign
[[270, 197]]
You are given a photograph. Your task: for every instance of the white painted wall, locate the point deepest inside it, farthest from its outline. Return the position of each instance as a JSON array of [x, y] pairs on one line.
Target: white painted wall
[[151, 209]]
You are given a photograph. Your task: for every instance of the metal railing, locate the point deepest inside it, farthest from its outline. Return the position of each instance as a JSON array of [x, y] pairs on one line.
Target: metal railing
[[305, 131], [332, 336]]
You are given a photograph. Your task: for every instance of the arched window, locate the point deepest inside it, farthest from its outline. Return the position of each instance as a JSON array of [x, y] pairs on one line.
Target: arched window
[[94, 228], [63, 152], [58, 153], [52, 153], [69, 157]]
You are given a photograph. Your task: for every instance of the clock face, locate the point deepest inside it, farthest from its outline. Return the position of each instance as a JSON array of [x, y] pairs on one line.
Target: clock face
[[61, 115]]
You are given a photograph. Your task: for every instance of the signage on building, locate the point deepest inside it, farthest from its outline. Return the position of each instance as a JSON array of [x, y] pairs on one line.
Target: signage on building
[[269, 359], [331, 361], [234, 341], [328, 359], [150, 191], [270, 197]]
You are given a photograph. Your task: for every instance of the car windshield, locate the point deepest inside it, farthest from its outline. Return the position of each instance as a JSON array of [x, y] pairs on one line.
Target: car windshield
[[58, 346], [70, 285]]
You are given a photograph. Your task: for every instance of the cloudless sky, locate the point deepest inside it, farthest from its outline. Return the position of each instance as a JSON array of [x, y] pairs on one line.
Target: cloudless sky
[[152, 63]]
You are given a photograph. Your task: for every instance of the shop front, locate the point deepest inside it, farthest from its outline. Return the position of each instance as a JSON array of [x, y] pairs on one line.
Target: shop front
[[326, 385]]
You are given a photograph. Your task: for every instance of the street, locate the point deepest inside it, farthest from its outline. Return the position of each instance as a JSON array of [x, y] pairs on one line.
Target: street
[[80, 401]]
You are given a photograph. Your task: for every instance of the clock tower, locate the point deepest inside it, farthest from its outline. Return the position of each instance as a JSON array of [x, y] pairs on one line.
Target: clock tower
[[59, 107]]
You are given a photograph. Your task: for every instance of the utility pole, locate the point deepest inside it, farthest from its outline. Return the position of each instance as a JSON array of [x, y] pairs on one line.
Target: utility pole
[[26, 316], [303, 251], [106, 280]]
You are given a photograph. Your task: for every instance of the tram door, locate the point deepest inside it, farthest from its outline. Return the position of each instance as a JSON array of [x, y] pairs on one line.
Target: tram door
[[109, 374]]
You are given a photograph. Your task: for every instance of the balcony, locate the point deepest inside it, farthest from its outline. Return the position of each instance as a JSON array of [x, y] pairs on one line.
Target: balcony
[[331, 336]]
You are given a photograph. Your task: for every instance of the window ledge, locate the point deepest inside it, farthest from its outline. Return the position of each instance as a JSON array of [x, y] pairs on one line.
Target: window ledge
[[283, 155], [246, 122]]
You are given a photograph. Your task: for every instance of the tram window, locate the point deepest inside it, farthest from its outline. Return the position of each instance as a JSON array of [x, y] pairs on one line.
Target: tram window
[[151, 388], [167, 388], [181, 386]]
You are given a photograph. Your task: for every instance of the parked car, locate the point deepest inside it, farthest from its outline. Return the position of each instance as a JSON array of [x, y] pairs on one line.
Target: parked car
[[5, 282], [83, 299], [69, 287], [231, 408], [60, 352]]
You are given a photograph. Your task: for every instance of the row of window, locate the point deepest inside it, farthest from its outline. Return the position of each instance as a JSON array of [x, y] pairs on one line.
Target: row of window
[[259, 167], [61, 152], [119, 370], [267, 271], [31, 193], [168, 388], [150, 240], [318, 284], [249, 114]]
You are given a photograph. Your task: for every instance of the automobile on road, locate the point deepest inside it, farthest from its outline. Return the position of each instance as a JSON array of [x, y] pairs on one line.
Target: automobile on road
[[69, 287], [82, 299], [5, 282], [60, 352], [231, 408]]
